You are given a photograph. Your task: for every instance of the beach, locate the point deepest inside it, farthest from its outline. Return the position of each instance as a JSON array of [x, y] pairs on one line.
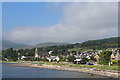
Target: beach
[[108, 73]]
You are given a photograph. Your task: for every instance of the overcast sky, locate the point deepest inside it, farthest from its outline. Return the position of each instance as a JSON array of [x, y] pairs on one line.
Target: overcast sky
[[33, 23]]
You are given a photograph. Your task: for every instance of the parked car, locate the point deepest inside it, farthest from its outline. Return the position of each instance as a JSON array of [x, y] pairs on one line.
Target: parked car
[[90, 64]]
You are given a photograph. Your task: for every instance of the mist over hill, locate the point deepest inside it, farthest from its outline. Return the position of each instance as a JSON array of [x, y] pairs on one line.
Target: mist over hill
[[98, 44], [46, 44], [8, 44]]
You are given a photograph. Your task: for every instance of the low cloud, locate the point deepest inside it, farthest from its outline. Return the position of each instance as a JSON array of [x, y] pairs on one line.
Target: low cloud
[[81, 22]]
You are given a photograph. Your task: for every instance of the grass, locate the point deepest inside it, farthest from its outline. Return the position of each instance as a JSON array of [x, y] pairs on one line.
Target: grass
[[102, 67]]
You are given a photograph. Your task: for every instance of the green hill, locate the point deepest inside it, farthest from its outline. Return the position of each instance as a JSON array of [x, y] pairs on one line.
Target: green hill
[[99, 44], [91, 44]]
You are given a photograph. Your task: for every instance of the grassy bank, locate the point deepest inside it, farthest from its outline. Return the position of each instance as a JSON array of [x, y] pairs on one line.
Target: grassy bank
[[103, 67]]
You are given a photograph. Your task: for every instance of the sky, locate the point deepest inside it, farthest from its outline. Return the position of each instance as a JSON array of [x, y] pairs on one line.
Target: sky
[[29, 14], [70, 22]]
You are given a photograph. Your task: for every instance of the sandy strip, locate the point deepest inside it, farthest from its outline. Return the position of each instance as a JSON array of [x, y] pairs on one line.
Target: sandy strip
[[109, 73]]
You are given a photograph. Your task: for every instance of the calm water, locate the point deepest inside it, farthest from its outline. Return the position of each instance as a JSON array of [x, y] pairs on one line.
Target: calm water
[[9, 71]]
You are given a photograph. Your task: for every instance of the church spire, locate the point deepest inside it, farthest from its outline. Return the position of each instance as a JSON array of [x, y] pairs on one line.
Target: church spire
[[36, 53]]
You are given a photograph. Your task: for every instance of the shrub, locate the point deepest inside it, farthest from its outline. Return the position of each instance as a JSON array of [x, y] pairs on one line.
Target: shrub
[[84, 60], [103, 62], [71, 58], [114, 61], [61, 58], [105, 56], [118, 62], [43, 59]]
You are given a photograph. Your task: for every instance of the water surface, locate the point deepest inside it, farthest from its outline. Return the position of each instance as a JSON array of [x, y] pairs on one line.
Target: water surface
[[10, 71]]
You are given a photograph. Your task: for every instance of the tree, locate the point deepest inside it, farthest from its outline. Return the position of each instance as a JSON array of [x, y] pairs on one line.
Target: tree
[[71, 58], [104, 57], [84, 60], [10, 54]]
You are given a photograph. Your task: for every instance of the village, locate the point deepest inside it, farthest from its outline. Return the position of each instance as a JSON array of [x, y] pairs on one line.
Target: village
[[86, 57], [99, 62]]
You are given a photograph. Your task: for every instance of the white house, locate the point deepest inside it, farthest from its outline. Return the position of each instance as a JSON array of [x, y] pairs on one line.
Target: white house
[[53, 58], [23, 57]]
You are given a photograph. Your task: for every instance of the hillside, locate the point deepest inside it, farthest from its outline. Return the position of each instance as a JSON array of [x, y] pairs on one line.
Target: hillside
[[8, 44], [99, 44], [63, 49], [91, 44]]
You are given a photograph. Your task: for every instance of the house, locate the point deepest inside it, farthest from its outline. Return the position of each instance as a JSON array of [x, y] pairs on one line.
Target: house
[[50, 52], [77, 61], [88, 57], [23, 57], [96, 57], [6, 59], [112, 57], [99, 51], [53, 58], [115, 56]]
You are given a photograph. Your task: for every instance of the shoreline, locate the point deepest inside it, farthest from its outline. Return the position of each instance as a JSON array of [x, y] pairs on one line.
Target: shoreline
[[107, 73]]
